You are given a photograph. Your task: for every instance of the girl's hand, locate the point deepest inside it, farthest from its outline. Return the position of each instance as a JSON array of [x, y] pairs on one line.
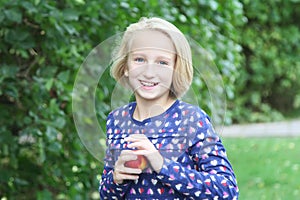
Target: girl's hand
[[146, 148], [121, 172]]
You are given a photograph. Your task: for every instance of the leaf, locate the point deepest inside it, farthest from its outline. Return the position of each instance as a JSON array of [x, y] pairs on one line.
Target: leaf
[[30, 8], [60, 122], [8, 71], [12, 91], [51, 132], [47, 71], [69, 28], [44, 195], [42, 154], [13, 15], [16, 35], [70, 15], [49, 84], [2, 17], [64, 76]]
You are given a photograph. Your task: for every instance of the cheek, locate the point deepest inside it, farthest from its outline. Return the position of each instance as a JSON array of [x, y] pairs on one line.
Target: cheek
[[134, 71], [166, 74]]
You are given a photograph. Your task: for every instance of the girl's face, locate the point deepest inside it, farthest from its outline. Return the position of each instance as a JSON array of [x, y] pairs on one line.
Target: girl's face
[[151, 64]]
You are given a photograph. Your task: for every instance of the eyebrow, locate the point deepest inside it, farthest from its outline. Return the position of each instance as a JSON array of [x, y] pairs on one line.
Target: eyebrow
[[159, 57]]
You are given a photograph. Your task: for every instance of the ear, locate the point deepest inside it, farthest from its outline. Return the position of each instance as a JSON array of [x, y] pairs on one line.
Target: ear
[[126, 73]]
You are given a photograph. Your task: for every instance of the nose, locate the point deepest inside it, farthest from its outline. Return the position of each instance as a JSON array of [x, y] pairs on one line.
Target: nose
[[149, 71]]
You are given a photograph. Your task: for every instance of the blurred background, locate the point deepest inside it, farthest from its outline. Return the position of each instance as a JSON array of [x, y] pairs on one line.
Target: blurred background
[[255, 45]]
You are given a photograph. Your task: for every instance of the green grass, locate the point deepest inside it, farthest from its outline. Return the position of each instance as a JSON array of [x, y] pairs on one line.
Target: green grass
[[266, 168]]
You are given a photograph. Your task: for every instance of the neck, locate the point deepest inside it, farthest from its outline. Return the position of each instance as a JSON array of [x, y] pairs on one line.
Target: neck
[[146, 109]]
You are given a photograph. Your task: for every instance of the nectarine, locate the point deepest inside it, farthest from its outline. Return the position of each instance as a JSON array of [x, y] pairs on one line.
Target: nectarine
[[140, 163]]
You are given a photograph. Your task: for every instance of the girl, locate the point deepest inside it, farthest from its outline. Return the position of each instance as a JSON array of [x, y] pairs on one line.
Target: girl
[[160, 147]]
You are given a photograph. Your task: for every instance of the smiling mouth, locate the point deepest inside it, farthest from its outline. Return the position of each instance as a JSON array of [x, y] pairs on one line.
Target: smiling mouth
[[148, 84]]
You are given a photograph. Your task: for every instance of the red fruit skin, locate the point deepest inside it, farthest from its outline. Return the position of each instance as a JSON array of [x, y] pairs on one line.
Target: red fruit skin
[[140, 163]]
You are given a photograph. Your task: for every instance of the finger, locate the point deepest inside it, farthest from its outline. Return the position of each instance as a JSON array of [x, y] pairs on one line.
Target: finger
[[126, 152], [128, 170], [142, 145], [151, 155], [127, 176], [135, 137], [137, 144], [127, 157], [129, 139], [141, 152]]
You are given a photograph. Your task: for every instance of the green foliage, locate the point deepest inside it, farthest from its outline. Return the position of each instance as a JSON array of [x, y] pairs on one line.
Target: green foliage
[[268, 85], [43, 43]]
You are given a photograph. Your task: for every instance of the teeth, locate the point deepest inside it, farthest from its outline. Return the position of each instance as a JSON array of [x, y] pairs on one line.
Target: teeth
[[148, 84]]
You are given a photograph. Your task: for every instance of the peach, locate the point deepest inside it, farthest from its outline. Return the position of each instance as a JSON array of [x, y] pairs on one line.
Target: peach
[[140, 163]]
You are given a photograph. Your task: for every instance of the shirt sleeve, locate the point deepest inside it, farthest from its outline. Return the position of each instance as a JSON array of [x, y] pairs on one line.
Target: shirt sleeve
[[108, 189], [209, 177]]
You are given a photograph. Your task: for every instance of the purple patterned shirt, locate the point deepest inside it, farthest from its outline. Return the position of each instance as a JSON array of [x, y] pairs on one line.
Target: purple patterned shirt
[[195, 162]]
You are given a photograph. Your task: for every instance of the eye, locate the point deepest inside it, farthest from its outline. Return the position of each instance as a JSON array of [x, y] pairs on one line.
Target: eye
[[139, 60], [163, 62]]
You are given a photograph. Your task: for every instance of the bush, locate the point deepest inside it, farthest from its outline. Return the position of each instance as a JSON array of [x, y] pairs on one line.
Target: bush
[[267, 88], [43, 44]]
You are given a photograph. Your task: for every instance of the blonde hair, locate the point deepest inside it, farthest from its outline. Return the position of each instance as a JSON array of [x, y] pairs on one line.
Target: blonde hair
[[183, 70]]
